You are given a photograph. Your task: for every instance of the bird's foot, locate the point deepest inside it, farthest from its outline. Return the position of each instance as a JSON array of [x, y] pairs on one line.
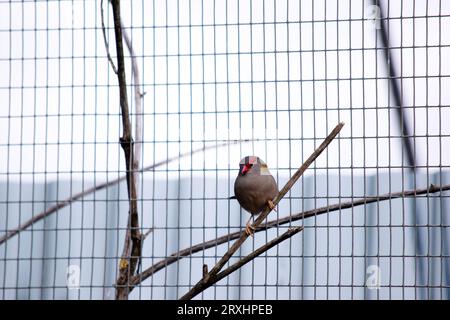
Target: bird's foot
[[271, 205], [249, 229]]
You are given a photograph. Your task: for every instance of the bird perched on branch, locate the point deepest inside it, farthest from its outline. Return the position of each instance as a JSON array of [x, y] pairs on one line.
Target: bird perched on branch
[[254, 188]]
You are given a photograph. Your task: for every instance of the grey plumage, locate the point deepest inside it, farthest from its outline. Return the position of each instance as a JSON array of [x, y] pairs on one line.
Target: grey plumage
[[254, 186]]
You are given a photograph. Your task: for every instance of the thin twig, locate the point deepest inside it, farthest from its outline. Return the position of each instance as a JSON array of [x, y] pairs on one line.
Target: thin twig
[[137, 103], [55, 208], [278, 222], [145, 235], [201, 284], [138, 134], [106, 40]]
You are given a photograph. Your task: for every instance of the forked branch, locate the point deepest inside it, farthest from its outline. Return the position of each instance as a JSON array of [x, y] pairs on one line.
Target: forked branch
[[288, 234], [104, 185], [205, 281]]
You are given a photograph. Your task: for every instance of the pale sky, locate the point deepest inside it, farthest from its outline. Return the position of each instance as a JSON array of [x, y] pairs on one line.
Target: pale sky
[[264, 79]]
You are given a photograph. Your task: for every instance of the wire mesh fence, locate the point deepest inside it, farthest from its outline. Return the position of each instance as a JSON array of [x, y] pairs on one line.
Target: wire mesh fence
[[210, 82]]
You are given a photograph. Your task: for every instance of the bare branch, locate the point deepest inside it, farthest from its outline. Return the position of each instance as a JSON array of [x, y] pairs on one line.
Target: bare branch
[[137, 103], [106, 40], [55, 208], [127, 247], [138, 133], [359, 202], [275, 223], [199, 287], [130, 256]]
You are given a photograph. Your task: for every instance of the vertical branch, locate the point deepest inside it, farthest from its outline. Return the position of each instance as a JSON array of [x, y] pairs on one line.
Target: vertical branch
[[128, 262], [138, 105], [138, 118]]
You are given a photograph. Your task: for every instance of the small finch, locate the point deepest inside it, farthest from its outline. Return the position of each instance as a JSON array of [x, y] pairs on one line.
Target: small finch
[[254, 188]]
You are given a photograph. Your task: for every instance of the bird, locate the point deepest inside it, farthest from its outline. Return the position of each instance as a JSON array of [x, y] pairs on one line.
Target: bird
[[254, 188]]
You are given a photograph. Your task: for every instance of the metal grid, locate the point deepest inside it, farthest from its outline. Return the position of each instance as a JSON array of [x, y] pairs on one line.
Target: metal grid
[[280, 74]]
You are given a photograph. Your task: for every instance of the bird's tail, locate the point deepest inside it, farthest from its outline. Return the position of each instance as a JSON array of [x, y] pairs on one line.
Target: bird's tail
[[232, 197]]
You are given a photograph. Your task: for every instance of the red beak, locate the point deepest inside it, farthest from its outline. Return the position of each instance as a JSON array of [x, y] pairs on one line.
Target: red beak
[[245, 169]]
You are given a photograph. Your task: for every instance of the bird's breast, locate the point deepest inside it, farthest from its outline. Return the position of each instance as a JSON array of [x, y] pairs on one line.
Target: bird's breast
[[253, 191]]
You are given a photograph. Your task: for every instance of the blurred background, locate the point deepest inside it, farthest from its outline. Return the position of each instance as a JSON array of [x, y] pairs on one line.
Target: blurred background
[[279, 75]]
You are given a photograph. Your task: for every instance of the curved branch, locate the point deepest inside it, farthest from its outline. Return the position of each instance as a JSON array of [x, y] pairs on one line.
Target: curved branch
[[11, 233], [136, 280]]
